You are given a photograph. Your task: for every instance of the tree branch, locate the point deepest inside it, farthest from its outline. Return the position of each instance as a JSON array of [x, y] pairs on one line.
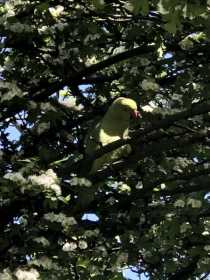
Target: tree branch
[[115, 59], [142, 151], [185, 272], [140, 137], [185, 175]]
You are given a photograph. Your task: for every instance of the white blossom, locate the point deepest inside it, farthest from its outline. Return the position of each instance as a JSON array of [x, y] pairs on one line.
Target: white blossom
[[15, 177], [56, 188], [43, 29], [194, 203], [149, 84], [124, 188], [205, 233], [69, 246], [31, 274], [71, 103], [6, 275], [83, 244], [147, 108], [10, 9], [162, 186], [48, 180], [56, 11], [119, 50], [186, 44], [179, 203]]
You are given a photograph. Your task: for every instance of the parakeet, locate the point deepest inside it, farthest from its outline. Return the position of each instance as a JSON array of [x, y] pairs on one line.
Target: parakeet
[[113, 126]]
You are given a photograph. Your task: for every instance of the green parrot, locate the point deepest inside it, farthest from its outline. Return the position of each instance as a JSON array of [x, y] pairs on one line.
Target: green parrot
[[113, 126]]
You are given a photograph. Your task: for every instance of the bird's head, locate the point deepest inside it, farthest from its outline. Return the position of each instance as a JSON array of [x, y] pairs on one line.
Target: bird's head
[[128, 105]]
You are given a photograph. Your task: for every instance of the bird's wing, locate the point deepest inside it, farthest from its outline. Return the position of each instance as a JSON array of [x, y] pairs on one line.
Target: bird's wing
[[99, 137], [113, 126]]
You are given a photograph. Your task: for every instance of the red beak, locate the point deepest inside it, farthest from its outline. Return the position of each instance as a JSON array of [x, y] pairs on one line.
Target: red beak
[[135, 114]]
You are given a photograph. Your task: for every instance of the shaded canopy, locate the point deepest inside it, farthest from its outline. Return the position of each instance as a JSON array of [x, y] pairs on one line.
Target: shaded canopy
[[62, 64]]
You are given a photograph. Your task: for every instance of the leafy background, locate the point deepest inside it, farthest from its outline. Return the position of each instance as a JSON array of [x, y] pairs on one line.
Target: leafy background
[[62, 64]]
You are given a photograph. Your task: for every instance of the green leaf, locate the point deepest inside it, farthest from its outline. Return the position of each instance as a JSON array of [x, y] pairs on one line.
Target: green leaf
[[99, 4], [179, 203], [119, 276], [140, 7], [194, 10], [171, 27], [83, 263], [42, 7]]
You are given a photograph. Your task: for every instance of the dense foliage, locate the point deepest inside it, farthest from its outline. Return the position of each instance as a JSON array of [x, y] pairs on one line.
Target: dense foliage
[[62, 63]]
